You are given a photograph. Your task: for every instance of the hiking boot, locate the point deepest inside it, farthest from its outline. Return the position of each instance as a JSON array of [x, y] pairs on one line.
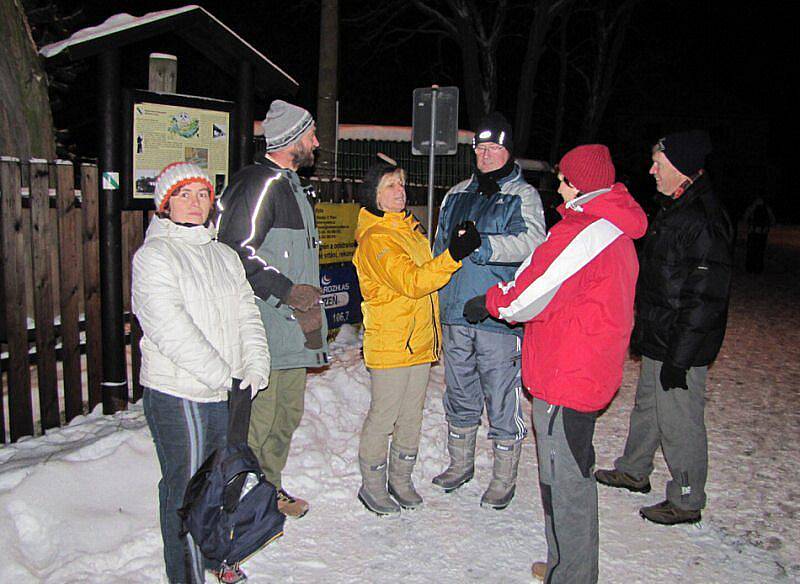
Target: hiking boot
[[229, 574], [539, 570], [373, 493], [665, 513], [461, 447], [622, 480], [504, 474], [291, 506], [401, 487]]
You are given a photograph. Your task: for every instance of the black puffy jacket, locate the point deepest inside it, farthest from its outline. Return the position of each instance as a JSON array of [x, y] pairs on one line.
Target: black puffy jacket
[[684, 280]]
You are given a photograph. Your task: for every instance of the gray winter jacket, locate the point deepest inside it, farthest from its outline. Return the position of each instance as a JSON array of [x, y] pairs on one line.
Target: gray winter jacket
[[267, 217]]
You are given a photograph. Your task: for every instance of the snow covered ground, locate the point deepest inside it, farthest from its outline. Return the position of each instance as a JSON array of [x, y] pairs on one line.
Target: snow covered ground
[[79, 504]]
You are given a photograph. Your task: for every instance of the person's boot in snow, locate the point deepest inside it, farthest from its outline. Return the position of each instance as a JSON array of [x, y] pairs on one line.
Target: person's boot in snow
[[665, 513], [401, 487], [461, 447], [504, 477], [229, 574], [622, 480], [291, 506], [539, 570], [373, 493]]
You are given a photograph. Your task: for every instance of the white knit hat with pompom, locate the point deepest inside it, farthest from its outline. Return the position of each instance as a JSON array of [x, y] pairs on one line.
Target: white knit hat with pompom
[[176, 175]]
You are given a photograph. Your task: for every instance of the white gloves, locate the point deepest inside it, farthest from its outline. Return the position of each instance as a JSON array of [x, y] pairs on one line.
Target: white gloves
[[254, 382]]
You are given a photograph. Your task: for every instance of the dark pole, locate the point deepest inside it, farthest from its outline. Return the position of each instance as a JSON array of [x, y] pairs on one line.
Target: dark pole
[[243, 153], [115, 382]]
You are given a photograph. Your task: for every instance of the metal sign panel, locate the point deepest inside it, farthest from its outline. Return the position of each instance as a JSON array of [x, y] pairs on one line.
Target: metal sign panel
[[446, 120]]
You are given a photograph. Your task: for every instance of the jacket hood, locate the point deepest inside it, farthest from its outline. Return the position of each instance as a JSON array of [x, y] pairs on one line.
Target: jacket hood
[[367, 220], [164, 228], [615, 205]]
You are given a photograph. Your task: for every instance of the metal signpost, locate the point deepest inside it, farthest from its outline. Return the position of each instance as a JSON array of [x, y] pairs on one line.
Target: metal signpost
[[434, 121]]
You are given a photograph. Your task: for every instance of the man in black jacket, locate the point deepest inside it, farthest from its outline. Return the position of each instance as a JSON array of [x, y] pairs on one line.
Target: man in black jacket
[[681, 315]]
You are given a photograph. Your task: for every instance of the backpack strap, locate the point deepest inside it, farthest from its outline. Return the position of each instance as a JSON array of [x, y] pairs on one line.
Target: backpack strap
[[238, 413]]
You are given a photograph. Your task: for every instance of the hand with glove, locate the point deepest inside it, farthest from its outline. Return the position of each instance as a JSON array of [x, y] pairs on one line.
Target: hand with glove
[[254, 381], [475, 309], [303, 297], [464, 240], [672, 376], [310, 322]]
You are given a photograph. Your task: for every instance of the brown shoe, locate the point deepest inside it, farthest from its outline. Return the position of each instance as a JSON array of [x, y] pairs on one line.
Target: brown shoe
[[622, 480], [291, 506], [539, 570], [665, 513]]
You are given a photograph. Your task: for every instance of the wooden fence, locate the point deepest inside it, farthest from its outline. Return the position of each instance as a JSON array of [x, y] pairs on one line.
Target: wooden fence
[[49, 294]]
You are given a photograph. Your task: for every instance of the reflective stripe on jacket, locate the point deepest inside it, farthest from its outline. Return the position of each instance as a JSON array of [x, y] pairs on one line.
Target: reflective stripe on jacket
[[398, 278]]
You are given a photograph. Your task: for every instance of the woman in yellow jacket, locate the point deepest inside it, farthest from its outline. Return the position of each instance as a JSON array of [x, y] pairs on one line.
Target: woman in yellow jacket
[[399, 279]]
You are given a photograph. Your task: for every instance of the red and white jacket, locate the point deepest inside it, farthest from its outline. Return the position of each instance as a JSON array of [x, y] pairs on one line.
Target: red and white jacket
[[575, 295]]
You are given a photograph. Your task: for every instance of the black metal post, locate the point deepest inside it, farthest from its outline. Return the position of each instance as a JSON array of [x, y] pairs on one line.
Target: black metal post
[[243, 153], [115, 381]]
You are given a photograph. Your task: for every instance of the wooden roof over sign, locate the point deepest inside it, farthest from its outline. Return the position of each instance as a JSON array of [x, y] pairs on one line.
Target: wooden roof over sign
[[194, 24]]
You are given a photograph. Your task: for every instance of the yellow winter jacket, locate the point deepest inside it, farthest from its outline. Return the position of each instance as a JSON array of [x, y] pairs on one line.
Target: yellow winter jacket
[[399, 279]]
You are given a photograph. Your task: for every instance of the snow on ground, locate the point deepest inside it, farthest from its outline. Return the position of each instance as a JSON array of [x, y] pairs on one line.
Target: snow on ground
[[79, 504]]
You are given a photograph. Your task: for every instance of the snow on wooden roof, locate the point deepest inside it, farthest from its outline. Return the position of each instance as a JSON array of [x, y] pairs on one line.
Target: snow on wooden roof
[[218, 42]]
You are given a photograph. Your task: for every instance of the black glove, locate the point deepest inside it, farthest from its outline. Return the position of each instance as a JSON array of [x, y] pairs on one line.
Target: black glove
[[303, 297], [310, 322], [464, 240], [672, 376], [475, 309]]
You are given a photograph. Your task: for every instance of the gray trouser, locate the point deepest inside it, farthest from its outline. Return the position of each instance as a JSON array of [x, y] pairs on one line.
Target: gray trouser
[[569, 492], [673, 419], [483, 367], [398, 397]]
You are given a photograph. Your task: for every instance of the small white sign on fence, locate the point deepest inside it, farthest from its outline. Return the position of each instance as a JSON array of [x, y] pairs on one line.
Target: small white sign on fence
[[111, 181]]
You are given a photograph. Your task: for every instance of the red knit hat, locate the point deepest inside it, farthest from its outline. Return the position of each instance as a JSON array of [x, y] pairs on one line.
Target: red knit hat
[[588, 168]]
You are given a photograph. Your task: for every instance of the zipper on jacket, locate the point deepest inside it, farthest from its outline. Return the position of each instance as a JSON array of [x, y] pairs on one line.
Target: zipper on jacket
[[435, 331], [410, 334]]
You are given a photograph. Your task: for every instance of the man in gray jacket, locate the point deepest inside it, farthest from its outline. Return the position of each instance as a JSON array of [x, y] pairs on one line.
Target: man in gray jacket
[[267, 216], [482, 360]]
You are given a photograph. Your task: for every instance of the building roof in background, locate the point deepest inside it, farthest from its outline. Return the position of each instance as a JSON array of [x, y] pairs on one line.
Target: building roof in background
[[198, 27]]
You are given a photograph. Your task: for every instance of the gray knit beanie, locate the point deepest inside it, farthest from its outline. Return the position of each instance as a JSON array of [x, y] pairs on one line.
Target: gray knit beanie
[[284, 124]]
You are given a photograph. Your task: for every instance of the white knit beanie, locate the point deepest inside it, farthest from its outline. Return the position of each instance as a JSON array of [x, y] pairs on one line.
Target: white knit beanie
[[284, 124], [174, 176]]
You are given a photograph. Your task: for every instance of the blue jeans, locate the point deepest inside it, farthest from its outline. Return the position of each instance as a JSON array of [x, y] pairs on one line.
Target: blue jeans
[[185, 434]]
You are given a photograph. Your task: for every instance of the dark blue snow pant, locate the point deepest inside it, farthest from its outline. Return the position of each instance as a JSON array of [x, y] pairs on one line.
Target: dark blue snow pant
[[185, 434]]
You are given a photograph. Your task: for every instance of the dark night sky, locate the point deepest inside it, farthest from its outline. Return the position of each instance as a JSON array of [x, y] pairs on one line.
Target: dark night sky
[[681, 59]]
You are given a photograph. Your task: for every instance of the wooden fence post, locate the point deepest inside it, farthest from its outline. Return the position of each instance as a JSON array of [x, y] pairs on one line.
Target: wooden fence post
[[42, 241], [20, 410], [69, 260], [90, 210]]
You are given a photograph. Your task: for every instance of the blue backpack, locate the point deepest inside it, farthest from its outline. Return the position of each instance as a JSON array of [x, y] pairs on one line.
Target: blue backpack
[[229, 507]]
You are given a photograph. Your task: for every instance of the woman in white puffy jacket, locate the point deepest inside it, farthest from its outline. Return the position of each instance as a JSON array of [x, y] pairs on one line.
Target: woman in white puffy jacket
[[201, 328]]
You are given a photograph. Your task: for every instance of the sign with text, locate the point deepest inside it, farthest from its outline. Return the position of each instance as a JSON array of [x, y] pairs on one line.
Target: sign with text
[[341, 295], [337, 231]]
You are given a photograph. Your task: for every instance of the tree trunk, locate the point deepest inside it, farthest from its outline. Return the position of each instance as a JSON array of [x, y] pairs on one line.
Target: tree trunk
[[327, 88], [544, 13], [26, 123], [555, 146]]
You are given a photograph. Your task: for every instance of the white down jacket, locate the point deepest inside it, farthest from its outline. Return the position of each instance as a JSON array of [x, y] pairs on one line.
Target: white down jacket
[[198, 314]]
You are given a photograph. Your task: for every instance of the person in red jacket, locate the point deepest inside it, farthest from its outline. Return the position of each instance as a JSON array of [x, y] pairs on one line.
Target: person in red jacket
[[575, 295]]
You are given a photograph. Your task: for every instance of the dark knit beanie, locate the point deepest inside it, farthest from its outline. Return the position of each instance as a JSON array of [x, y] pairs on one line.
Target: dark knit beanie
[[687, 151], [494, 128], [588, 168], [368, 193]]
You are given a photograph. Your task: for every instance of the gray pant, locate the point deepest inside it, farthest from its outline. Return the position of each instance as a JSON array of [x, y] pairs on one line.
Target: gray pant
[[569, 492], [673, 419], [483, 367], [395, 410]]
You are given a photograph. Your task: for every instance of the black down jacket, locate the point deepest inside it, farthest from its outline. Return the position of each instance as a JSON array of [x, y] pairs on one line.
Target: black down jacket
[[684, 280]]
